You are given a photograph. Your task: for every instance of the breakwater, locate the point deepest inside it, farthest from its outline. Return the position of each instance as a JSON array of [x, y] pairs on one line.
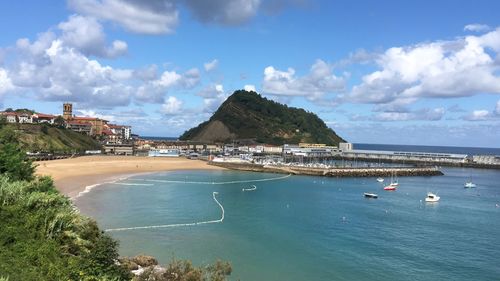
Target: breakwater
[[333, 172]]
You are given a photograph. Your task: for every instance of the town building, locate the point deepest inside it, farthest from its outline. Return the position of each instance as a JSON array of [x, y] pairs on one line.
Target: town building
[[80, 127], [96, 123], [345, 146], [10, 117], [44, 118], [310, 150]]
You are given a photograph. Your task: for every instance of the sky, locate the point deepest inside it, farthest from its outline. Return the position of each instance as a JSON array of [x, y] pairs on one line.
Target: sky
[[389, 71]]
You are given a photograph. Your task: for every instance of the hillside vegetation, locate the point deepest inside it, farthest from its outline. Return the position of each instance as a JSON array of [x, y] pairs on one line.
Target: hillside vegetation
[[48, 138], [247, 115], [44, 237]]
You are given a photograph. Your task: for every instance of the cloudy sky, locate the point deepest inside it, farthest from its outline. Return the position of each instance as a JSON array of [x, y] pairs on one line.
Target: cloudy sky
[[395, 72]]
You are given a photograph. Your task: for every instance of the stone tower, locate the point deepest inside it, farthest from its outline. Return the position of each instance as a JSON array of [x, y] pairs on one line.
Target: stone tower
[[67, 111]]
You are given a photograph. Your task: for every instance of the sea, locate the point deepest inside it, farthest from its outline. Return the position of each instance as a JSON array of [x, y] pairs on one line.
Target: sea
[[278, 227], [433, 149]]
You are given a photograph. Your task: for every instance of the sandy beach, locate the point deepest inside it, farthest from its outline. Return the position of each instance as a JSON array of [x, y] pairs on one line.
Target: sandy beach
[[71, 176]]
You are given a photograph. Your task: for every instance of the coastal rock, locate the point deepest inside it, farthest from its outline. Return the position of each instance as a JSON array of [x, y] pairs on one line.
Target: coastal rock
[[144, 260], [128, 264]]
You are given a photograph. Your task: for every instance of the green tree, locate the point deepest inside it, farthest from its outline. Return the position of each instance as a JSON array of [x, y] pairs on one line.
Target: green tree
[[59, 121], [14, 162]]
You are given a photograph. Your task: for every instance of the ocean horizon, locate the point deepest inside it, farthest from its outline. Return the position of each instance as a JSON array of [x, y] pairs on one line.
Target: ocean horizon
[[308, 228]]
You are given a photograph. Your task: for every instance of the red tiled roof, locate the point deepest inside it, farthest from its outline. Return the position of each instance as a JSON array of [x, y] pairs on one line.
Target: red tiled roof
[[107, 132], [85, 118], [9, 113], [79, 123], [114, 126], [43, 115]]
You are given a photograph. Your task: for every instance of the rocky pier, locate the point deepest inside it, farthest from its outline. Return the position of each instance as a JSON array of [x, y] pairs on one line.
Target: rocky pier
[[333, 172]]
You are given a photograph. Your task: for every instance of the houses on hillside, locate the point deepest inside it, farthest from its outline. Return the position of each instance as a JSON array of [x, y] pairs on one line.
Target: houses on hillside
[[92, 126]]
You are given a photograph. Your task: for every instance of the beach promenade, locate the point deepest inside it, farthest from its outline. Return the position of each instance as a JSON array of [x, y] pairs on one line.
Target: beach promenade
[[71, 176]]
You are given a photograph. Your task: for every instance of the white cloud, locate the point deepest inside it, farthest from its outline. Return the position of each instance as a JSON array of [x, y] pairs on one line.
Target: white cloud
[[443, 69], [497, 108], [86, 34], [250, 88], [435, 114], [148, 17], [213, 97], [478, 115], [476, 27], [209, 66], [172, 106], [57, 72], [147, 73], [224, 12], [153, 91], [92, 113], [5, 82], [162, 16], [319, 81]]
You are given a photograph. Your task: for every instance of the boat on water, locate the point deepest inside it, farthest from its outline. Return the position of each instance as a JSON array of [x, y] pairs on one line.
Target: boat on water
[[431, 197], [370, 195], [380, 179], [391, 186], [469, 184], [394, 183]]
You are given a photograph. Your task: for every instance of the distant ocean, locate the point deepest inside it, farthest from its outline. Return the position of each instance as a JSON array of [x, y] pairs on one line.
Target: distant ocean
[[424, 148]]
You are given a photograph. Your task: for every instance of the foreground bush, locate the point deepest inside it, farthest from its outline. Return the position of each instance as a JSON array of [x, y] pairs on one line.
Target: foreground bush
[[42, 237]]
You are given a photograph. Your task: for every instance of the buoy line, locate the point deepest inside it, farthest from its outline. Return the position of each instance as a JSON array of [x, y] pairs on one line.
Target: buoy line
[[250, 189], [213, 182], [177, 224], [138, 184]]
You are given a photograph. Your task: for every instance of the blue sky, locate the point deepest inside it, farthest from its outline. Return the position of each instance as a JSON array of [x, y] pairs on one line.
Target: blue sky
[[400, 72]]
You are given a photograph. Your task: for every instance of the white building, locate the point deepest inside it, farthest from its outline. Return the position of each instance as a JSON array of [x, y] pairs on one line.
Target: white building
[[25, 118], [345, 146]]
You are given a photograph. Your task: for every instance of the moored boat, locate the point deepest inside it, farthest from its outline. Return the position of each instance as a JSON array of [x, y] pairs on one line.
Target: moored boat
[[380, 179], [391, 186], [370, 195], [469, 184], [431, 197]]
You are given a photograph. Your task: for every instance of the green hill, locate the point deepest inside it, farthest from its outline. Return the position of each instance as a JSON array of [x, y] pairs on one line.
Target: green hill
[[247, 115], [47, 138]]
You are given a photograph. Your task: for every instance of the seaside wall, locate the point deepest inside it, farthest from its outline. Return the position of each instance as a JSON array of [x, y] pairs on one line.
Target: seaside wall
[[336, 172], [423, 162]]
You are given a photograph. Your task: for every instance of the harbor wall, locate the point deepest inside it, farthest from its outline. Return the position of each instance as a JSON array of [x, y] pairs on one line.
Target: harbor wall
[[422, 162], [334, 172]]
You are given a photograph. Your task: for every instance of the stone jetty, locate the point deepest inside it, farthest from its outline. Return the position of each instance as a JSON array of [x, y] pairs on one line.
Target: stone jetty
[[333, 172]]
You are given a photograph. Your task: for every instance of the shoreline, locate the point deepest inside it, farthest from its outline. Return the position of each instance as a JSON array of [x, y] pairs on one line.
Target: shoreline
[[73, 176]]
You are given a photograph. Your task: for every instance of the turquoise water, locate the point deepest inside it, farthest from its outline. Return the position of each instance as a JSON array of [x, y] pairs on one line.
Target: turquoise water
[[310, 228]]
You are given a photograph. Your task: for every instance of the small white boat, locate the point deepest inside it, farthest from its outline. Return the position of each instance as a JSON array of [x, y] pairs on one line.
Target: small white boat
[[370, 195], [380, 179], [469, 184], [431, 197]]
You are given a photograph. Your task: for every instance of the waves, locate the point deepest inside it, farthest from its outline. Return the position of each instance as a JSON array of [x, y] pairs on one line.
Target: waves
[[88, 188], [176, 224]]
